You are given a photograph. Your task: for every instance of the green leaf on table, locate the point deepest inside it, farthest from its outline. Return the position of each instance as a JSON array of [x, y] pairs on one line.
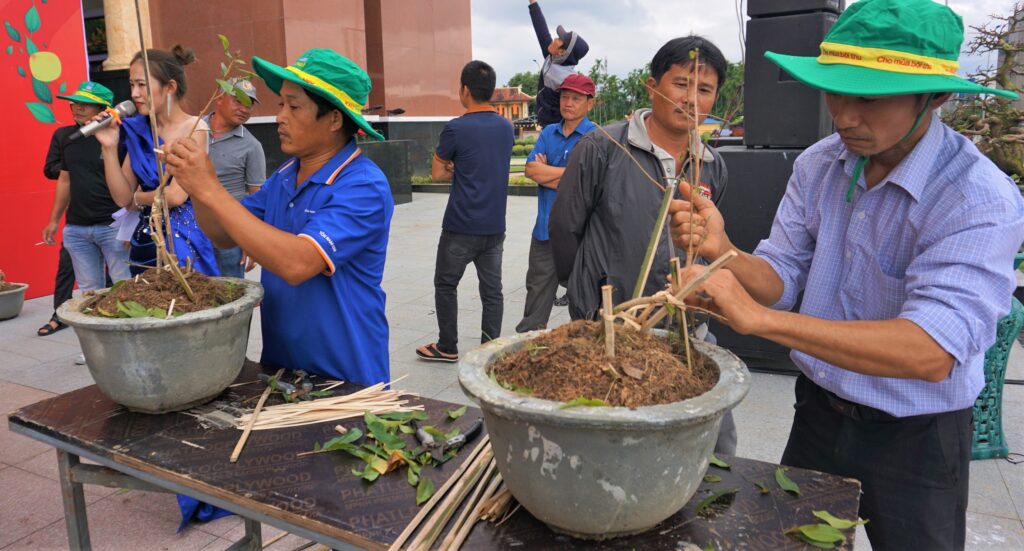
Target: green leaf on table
[[412, 475], [785, 483], [715, 461], [712, 478], [762, 488], [836, 522], [381, 434], [456, 413], [452, 433], [346, 439], [320, 393], [32, 19], [424, 489], [40, 111], [224, 43], [433, 431], [704, 503], [368, 474], [404, 416], [316, 446], [12, 32], [581, 401], [819, 535], [376, 450], [406, 429]]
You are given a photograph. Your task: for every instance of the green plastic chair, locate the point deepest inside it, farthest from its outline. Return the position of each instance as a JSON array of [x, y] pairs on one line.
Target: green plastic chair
[[989, 440]]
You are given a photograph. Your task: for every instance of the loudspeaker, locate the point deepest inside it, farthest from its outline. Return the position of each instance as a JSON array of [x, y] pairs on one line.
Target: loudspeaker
[[757, 182], [761, 8], [778, 110]]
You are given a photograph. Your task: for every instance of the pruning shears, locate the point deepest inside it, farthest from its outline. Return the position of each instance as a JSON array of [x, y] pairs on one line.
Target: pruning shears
[[439, 446]]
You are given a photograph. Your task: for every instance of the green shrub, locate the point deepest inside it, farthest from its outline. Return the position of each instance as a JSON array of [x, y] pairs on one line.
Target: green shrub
[[521, 150], [422, 180], [520, 181]]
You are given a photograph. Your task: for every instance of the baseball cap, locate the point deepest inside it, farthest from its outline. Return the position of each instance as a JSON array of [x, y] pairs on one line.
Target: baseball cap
[[578, 83]]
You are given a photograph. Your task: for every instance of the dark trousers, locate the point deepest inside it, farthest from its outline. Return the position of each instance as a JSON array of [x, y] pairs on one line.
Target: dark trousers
[[541, 287], [914, 471], [64, 283], [454, 252]]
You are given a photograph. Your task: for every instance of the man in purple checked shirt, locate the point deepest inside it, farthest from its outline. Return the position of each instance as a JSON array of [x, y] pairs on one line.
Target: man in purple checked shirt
[[901, 235]]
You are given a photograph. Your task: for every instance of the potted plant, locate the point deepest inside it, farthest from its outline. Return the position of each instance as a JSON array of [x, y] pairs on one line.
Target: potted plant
[[12, 297], [170, 338], [600, 472]]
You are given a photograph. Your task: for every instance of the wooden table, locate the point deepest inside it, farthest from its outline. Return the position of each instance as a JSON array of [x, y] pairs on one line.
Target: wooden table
[[317, 497]]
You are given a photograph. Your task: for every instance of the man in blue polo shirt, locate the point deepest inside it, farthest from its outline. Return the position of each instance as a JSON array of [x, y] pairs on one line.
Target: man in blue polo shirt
[[473, 152], [319, 226], [545, 166]]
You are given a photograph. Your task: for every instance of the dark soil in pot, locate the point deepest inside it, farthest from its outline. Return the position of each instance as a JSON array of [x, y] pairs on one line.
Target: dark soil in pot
[[569, 362]]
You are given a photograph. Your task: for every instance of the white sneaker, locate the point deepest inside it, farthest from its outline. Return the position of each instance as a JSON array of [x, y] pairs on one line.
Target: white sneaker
[[80, 360]]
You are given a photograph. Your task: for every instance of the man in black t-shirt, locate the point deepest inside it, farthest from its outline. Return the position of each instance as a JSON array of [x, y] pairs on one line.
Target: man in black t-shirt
[[82, 192]]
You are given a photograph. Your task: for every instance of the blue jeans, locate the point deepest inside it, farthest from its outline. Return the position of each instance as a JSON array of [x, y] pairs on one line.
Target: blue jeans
[[229, 262], [92, 248]]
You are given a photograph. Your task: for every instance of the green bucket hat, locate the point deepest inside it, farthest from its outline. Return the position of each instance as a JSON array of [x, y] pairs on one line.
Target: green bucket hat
[[327, 74], [888, 48], [91, 92]]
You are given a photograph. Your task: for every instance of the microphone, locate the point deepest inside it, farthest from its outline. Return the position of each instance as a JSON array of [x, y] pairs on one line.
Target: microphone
[[125, 109]]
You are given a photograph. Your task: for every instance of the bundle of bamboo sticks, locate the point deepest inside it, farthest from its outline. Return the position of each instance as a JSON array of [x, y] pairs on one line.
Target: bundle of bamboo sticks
[[475, 488], [375, 399]]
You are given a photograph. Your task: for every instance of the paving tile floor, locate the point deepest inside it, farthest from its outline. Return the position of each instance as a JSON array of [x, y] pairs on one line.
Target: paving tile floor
[[33, 368]]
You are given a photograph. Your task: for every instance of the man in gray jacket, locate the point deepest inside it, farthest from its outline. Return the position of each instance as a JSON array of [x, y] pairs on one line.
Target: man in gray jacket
[[607, 204]]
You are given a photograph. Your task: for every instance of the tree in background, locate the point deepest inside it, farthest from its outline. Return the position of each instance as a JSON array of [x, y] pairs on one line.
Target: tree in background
[[993, 122], [526, 79]]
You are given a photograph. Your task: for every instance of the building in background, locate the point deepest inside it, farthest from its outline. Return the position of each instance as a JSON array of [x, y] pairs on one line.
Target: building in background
[[512, 103]]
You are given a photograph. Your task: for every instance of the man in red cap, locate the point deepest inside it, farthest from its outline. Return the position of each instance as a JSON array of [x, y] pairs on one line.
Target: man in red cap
[[545, 166]]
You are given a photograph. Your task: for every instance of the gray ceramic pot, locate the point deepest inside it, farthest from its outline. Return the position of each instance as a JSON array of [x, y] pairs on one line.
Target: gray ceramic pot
[[155, 366], [12, 300], [601, 472]]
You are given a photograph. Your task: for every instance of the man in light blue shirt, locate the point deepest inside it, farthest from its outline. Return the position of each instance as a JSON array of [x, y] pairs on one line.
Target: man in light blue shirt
[[900, 234], [545, 166]]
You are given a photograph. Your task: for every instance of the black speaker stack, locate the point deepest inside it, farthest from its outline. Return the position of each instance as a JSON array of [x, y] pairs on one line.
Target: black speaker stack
[[781, 118], [778, 110]]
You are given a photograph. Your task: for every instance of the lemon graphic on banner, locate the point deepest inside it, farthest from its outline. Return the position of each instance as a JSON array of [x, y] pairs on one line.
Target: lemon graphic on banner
[[45, 66]]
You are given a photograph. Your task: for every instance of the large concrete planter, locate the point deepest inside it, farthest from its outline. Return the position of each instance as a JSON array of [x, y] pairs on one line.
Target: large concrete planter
[[12, 300], [155, 366], [601, 472]]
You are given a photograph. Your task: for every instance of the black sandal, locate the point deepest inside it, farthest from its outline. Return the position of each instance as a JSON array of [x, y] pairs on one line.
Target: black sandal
[[432, 353], [50, 328]]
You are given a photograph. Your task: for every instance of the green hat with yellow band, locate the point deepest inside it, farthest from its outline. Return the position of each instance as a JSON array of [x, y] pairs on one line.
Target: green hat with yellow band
[[327, 74], [91, 92], [888, 48]]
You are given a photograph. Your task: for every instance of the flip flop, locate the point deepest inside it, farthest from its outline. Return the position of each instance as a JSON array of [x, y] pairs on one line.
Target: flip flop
[[50, 328], [431, 353]]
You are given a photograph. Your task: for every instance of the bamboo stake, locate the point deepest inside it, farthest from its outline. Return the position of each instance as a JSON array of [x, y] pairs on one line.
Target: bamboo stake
[[468, 517], [439, 494], [255, 412], [609, 321], [684, 327], [652, 243], [428, 535], [714, 267]]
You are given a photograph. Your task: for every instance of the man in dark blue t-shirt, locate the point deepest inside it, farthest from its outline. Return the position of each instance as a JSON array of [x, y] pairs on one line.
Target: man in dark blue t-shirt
[[473, 152]]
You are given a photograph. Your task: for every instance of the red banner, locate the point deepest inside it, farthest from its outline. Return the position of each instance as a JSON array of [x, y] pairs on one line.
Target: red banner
[[44, 55]]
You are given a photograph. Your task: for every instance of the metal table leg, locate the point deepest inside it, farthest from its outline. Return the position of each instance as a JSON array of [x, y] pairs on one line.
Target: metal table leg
[[74, 503]]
